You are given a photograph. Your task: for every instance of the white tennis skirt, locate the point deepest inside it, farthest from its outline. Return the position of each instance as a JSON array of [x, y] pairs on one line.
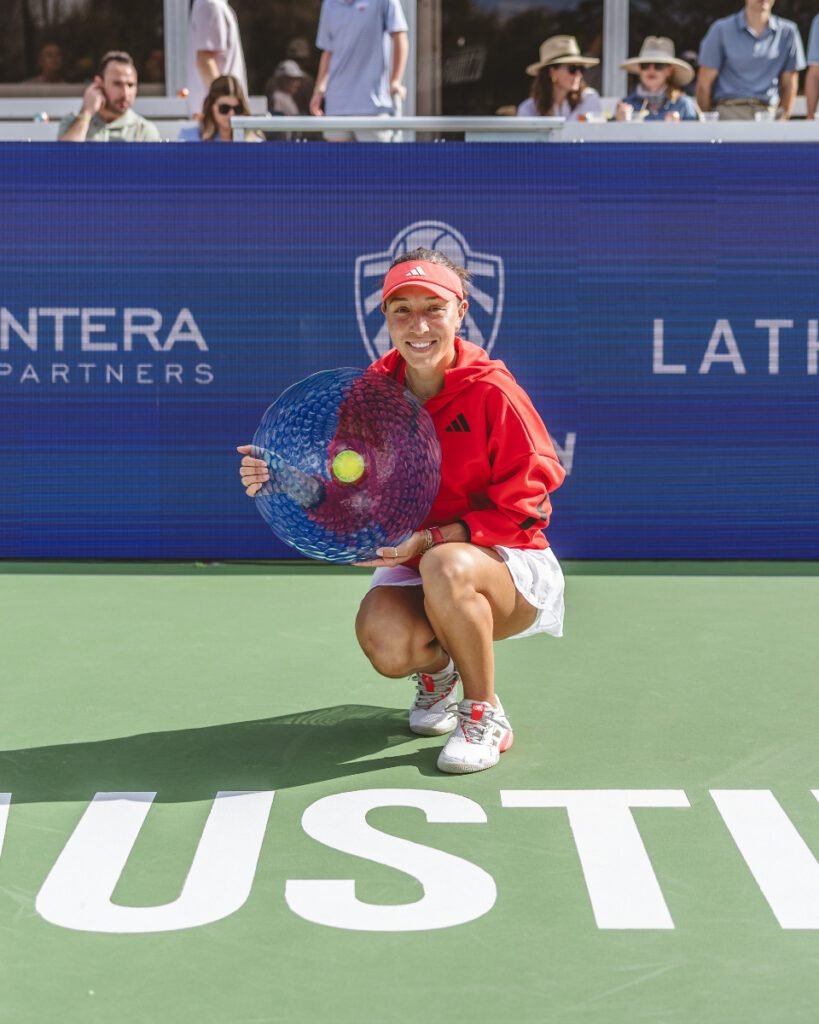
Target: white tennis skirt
[[536, 574]]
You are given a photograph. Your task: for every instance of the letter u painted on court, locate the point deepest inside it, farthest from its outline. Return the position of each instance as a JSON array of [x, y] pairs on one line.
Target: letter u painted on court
[[77, 892]]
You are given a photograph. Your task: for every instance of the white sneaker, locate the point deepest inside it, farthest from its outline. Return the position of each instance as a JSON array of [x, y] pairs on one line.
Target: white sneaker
[[435, 704], [483, 733]]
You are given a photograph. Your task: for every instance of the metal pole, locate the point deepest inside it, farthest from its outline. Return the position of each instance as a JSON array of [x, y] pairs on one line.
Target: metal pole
[[176, 45], [410, 78], [615, 46], [428, 68]]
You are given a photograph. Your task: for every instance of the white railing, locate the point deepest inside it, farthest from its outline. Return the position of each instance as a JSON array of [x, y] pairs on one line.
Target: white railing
[[170, 119], [474, 129], [544, 129], [689, 131]]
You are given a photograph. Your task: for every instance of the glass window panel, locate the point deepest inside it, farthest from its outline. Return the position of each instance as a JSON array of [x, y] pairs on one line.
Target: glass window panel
[[54, 44], [687, 23], [272, 32], [487, 45]]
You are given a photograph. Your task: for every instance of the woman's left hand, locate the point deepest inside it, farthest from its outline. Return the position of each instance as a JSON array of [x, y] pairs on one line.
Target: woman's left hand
[[410, 548]]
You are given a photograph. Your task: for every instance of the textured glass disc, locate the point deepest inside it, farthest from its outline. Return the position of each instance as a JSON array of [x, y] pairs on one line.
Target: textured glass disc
[[347, 410]]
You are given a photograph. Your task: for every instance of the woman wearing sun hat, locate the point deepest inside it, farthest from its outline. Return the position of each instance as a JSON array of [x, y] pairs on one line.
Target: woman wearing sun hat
[[659, 94], [558, 89]]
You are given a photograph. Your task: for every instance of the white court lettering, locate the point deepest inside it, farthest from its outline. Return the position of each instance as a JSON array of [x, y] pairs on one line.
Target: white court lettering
[[77, 892], [455, 890], [621, 882], [623, 888], [783, 866]]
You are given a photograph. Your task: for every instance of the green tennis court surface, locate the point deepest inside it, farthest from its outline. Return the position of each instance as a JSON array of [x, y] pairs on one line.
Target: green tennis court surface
[[645, 852]]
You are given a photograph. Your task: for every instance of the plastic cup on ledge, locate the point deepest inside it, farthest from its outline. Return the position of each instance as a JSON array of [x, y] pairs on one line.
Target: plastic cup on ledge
[[763, 115]]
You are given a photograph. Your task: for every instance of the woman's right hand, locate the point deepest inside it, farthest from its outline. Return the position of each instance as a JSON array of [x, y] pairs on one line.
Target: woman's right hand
[[412, 547], [253, 472]]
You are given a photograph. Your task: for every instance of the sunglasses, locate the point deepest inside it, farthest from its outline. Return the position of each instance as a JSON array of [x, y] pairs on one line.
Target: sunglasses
[[657, 67], [229, 108], [573, 69]]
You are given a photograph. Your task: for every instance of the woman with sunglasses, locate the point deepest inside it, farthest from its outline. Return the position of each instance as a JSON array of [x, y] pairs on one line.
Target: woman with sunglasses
[[659, 94], [558, 89], [225, 98]]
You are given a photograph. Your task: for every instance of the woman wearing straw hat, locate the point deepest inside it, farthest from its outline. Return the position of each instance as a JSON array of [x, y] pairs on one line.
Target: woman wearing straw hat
[[662, 77], [558, 89]]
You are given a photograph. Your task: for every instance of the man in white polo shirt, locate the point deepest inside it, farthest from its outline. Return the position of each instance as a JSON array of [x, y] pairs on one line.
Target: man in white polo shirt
[[365, 46], [214, 49]]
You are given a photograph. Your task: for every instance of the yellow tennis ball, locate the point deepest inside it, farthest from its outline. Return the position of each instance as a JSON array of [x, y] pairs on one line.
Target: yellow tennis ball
[[348, 466]]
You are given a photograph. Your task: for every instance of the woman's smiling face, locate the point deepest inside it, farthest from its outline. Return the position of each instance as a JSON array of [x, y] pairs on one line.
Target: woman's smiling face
[[423, 327]]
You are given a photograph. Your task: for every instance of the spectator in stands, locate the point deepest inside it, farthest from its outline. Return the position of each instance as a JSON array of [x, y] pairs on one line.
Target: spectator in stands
[[749, 64], [558, 89], [299, 50], [812, 77], [282, 89], [153, 68], [214, 49], [364, 55], [225, 98], [659, 94], [49, 65], [106, 114]]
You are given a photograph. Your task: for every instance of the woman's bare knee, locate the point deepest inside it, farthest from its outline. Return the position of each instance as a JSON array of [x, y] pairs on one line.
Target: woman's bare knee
[[395, 644], [448, 573]]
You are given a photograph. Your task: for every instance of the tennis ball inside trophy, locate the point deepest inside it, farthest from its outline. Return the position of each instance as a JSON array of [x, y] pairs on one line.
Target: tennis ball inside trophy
[[348, 466]]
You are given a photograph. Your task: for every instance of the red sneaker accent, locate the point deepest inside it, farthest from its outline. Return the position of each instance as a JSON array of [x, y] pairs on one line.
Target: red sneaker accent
[[506, 742], [429, 684], [477, 712]]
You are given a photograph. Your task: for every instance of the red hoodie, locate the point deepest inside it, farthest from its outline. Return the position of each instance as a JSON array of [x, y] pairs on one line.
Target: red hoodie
[[498, 463]]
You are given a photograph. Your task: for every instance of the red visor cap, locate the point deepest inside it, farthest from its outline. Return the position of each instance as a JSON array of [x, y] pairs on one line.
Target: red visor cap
[[432, 277]]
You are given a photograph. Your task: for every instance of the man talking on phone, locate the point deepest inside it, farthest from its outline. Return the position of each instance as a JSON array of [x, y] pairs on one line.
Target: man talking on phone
[[106, 114]]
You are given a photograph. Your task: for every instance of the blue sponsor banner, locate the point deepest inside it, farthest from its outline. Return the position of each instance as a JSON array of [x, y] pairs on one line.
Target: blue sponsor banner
[[658, 302]]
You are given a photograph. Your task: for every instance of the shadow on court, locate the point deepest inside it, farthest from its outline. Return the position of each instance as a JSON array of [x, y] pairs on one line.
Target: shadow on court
[[193, 764]]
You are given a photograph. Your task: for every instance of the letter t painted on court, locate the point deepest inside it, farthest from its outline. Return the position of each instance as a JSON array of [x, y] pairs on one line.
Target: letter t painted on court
[[623, 888]]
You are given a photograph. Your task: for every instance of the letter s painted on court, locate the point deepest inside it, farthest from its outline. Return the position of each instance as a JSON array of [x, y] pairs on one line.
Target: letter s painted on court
[[455, 890]]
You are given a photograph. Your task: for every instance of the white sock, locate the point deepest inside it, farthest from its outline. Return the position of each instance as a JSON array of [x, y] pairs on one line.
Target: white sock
[[447, 671]]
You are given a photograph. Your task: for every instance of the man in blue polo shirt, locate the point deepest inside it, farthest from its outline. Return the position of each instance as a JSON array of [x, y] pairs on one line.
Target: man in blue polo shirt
[[749, 62], [364, 44]]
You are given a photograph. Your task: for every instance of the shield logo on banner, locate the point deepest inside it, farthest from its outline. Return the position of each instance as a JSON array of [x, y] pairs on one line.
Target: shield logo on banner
[[486, 284]]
